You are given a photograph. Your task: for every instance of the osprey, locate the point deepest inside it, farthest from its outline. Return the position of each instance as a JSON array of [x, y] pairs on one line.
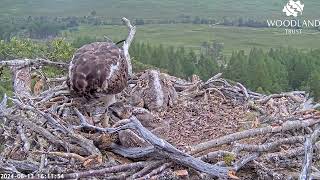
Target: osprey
[[98, 68]]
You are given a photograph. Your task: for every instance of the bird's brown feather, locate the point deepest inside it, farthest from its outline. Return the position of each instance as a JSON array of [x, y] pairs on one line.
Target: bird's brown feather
[[98, 67]]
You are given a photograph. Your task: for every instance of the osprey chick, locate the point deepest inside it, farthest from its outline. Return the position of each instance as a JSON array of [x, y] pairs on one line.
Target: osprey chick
[[98, 68]]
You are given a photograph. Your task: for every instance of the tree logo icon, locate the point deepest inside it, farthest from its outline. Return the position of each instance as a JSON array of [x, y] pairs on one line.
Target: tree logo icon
[[292, 8]]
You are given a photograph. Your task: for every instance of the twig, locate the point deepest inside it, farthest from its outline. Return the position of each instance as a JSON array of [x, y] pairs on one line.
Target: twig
[[288, 125], [40, 130], [156, 171], [59, 79], [288, 94], [216, 154], [166, 150], [243, 161], [133, 153], [127, 43], [147, 168], [43, 157], [287, 154], [268, 146], [101, 172], [267, 171], [244, 90], [48, 117], [30, 62], [3, 104], [308, 148], [84, 124], [217, 76], [306, 170], [24, 139]]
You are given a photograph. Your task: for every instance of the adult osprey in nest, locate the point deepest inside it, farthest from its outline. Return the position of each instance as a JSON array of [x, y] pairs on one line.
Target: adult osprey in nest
[[98, 70]]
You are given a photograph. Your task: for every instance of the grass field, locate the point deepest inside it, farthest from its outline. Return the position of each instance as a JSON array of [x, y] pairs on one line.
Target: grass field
[[188, 35], [154, 8]]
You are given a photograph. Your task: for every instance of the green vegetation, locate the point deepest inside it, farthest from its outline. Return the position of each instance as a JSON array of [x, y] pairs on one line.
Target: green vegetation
[[54, 50], [176, 36], [153, 9], [192, 36], [276, 70]]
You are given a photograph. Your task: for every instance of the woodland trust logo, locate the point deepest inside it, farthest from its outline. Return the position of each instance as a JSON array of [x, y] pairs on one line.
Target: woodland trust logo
[[293, 10]]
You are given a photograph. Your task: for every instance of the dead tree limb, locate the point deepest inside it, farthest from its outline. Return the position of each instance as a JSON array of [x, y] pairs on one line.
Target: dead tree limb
[[306, 170], [291, 95], [101, 172], [286, 126], [21, 80], [24, 139], [268, 146], [3, 105], [244, 90], [32, 62], [265, 172], [127, 43], [147, 168], [308, 149], [216, 154], [48, 117], [134, 153], [40, 130], [243, 161], [156, 171], [217, 76], [164, 149]]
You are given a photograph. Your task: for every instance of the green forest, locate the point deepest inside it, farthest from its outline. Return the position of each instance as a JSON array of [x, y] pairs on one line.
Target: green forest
[[181, 38], [272, 71]]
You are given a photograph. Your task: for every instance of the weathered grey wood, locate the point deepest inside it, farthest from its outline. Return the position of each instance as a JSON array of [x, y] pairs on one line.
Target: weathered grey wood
[[168, 151], [162, 147], [134, 153], [3, 105], [127, 43], [306, 170], [243, 161], [308, 155], [269, 146], [288, 125], [30, 62]]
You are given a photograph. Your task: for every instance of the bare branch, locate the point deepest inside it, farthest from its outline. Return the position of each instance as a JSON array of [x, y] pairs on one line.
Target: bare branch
[[291, 95], [156, 171], [147, 168], [244, 90], [308, 148], [31, 62], [268, 146], [3, 104], [127, 43], [24, 138], [101, 172], [288, 125], [243, 161]]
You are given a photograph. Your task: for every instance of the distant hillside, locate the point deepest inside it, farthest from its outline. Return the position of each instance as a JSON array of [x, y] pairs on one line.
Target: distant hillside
[[157, 9]]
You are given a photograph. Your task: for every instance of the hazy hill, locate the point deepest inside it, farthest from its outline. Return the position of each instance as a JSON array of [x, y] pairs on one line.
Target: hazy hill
[[153, 8]]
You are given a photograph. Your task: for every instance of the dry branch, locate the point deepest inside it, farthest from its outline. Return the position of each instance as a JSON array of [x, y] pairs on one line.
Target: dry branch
[[291, 95], [21, 63], [268, 146], [102, 172], [127, 43], [309, 146], [288, 125]]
